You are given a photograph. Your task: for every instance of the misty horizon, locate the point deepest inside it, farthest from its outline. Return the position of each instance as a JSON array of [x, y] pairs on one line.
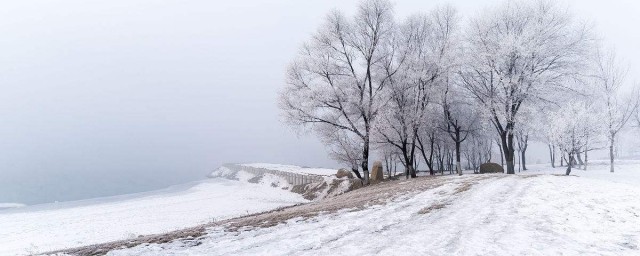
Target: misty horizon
[[123, 97]]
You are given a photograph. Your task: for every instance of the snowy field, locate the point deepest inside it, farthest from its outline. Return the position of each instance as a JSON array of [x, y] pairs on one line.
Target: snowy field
[[592, 213], [294, 169], [36, 229]]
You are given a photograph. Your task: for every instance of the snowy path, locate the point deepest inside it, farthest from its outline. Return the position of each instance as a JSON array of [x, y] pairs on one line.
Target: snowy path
[[503, 215], [48, 228]]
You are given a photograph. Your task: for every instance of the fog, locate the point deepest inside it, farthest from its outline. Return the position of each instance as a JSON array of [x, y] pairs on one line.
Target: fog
[[102, 98]]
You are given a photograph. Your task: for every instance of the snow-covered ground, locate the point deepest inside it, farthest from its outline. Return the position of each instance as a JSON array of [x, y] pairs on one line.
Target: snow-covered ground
[[593, 213], [294, 169], [42, 228], [626, 171]]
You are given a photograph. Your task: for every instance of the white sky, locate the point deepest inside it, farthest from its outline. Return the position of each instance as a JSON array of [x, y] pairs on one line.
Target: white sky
[[160, 92]]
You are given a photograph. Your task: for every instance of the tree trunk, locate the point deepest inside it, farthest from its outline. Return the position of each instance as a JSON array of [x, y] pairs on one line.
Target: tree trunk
[[507, 147], [524, 159], [586, 159], [552, 156], [611, 155], [501, 153], [387, 164], [412, 171], [458, 142], [365, 161], [569, 163], [519, 161], [355, 170], [427, 160], [580, 162]]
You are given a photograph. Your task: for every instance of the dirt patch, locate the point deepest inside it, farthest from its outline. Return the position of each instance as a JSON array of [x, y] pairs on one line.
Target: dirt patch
[[530, 176], [356, 200], [335, 184], [310, 191], [431, 208], [255, 179], [464, 187]]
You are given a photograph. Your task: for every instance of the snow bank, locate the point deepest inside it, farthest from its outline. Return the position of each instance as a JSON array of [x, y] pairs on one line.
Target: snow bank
[[301, 180], [45, 228]]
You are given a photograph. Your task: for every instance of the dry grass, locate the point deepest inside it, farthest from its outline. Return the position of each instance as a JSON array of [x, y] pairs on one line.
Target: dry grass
[[431, 208]]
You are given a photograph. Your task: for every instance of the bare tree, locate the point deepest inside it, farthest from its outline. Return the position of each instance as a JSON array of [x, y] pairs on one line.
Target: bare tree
[[336, 82], [522, 137], [440, 58], [610, 77], [573, 127], [344, 148], [391, 156], [519, 54], [426, 139], [527, 121], [479, 149], [638, 113], [425, 46], [460, 119]]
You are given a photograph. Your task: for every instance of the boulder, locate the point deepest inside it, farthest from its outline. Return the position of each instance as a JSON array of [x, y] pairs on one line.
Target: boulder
[[491, 168], [376, 172], [344, 173]]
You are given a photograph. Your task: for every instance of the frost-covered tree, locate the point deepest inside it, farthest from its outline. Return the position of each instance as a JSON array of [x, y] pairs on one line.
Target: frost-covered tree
[[479, 148], [337, 80], [527, 124], [460, 118], [519, 55], [609, 78], [638, 114], [573, 127], [344, 147], [426, 139], [391, 157], [407, 95], [425, 48]]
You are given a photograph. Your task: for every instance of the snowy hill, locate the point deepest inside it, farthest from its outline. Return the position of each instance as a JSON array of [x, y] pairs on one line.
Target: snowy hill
[[533, 213], [40, 228], [536, 212], [233, 190]]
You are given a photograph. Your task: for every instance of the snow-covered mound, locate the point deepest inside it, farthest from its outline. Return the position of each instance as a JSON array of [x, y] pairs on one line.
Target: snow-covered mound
[[37, 229], [532, 213], [312, 183]]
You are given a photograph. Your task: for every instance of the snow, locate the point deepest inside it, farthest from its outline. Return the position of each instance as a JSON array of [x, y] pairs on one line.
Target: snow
[[10, 205], [626, 171], [57, 226], [293, 169], [594, 213]]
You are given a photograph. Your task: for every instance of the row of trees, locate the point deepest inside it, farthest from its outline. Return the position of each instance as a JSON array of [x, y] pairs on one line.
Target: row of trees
[[431, 89]]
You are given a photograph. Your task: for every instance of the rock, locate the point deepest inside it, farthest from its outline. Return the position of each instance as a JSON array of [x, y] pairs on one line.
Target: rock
[[376, 172], [344, 173], [491, 168]]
